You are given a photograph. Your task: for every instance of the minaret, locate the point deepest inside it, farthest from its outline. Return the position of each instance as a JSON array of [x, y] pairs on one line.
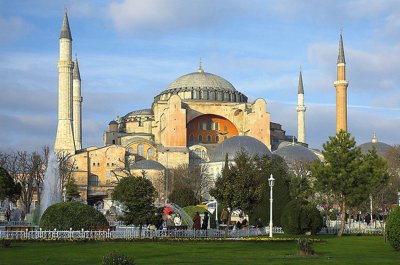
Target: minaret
[[301, 109], [374, 139], [341, 90], [77, 105], [65, 137]]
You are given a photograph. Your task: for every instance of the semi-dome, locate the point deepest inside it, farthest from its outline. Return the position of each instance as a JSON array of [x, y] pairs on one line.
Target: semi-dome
[[293, 152], [233, 145], [202, 86], [148, 165]]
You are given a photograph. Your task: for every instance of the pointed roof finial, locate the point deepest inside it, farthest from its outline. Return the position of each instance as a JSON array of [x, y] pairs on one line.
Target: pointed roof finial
[[76, 74], [341, 58], [65, 30], [301, 88], [200, 69], [374, 139]]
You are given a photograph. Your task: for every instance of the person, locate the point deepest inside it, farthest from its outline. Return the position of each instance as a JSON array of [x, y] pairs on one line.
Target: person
[[244, 223], [204, 226], [7, 214], [177, 220], [22, 215], [258, 223], [224, 216], [368, 218], [196, 221], [169, 221], [238, 225]]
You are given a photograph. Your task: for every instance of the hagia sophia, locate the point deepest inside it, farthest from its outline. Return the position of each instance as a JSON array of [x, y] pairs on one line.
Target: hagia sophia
[[197, 119]]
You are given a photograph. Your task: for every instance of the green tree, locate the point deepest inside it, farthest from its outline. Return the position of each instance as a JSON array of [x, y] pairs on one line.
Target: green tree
[[8, 188], [137, 194], [240, 186], [183, 197], [72, 190], [276, 166], [346, 174]]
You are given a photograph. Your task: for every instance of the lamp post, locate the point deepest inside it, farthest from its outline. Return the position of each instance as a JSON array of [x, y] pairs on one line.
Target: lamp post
[[271, 181], [166, 180]]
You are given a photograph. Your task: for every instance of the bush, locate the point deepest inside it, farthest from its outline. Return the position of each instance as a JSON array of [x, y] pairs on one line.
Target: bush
[[191, 210], [117, 259], [393, 229], [301, 217], [75, 215], [305, 247]]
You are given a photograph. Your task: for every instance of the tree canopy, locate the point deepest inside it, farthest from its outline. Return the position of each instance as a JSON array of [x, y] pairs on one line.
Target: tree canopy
[[8, 188], [137, 194]]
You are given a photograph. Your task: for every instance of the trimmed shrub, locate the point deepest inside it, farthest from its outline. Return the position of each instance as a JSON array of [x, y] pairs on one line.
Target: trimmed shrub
[[117, 259], [75, 215], [393, 229], [191, 210], [305, 247], [301, 217]]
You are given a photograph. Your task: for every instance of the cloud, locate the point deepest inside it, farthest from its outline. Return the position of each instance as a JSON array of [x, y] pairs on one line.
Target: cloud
[[12, 28]]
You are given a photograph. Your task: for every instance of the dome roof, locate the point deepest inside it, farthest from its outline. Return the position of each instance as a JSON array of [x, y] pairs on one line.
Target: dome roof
[[113, 122], [381, 148], [235, 144], [148, 164], [140, 112], [201, 79], [294, 152], [202, 86]]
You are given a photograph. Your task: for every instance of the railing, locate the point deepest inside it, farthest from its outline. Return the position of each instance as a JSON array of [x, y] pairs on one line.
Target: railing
[[134, 233]]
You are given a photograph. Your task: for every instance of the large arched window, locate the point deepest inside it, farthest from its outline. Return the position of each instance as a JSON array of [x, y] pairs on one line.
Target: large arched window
[[217, 138], [150, 152], [93, 180], [200, 138], [208, 138], [140, 149]]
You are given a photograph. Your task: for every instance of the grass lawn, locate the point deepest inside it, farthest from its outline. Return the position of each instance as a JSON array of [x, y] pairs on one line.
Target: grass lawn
[[347, 250]]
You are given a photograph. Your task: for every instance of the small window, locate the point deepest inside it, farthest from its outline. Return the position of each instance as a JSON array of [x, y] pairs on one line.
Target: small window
[[108, 164], [217, 138], [94, 164], [191, 126], [200, 138], [209, 124], [98, 164], [93, 180], [208, 138], [140, 123], [113, 141], [130, 150], [140, 149], [216, 126], [149, 152], [200, 126]]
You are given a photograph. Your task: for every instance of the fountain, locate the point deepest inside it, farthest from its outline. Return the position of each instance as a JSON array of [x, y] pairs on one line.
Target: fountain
[[51, 185]]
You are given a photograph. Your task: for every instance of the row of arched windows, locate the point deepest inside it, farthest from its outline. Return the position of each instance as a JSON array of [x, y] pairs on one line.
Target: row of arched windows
[[140, 151], [209, 138]]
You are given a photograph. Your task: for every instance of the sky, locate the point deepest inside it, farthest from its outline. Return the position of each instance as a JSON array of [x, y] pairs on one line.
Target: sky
[[130, 50]]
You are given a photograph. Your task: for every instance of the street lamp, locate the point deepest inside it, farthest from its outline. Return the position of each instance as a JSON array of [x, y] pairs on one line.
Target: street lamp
[[271, 181], [166, 179]]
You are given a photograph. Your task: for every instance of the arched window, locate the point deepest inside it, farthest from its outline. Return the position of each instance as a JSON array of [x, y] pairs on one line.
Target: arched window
[[200, 138], [130, 150], [93, 180], [217, 138], [216, 126], [209, 124], [140, 149], [150, 152], [208, 138]]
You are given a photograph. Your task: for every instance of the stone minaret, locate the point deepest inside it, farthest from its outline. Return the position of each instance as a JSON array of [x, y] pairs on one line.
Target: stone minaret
[[65, 136], [301, 109], [341, 90], [77, 106]]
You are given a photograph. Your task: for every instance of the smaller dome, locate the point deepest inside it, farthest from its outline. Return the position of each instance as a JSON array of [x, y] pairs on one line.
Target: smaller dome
[[381, 148], [140, 112], [295, 152], [235, 144], [113, 122], [148, 164]]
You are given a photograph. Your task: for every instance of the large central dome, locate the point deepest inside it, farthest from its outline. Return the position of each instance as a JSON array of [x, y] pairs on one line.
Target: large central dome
[[202, 86]]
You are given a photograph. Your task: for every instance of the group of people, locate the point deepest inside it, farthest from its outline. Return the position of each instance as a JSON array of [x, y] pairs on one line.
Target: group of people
[[198, 224], [8, 213], [173, 220]]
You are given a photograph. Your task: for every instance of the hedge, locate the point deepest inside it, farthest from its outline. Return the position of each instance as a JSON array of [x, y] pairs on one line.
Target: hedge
[[393, 229]]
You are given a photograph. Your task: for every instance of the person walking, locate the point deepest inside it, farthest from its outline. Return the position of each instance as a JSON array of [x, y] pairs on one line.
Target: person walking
[[196, 221], [204, 226], [224, 216]]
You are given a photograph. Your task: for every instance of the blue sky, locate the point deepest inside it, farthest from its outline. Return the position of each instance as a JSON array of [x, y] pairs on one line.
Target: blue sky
[[130, 50]]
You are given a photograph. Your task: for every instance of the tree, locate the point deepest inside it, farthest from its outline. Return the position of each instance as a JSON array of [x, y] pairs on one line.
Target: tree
[[346, 174], [240, 185], [276, 166], [137, 194], [183, 197], [8, 188], [72, 190]]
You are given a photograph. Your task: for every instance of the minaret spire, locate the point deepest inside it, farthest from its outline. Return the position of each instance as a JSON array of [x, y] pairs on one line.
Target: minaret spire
[[77, 105], [301, 109], [65, 136], [341, 85]]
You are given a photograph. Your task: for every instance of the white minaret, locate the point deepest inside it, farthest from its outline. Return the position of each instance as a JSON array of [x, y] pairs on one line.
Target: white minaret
[[65, 136], [77, 105], [301, 109]]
